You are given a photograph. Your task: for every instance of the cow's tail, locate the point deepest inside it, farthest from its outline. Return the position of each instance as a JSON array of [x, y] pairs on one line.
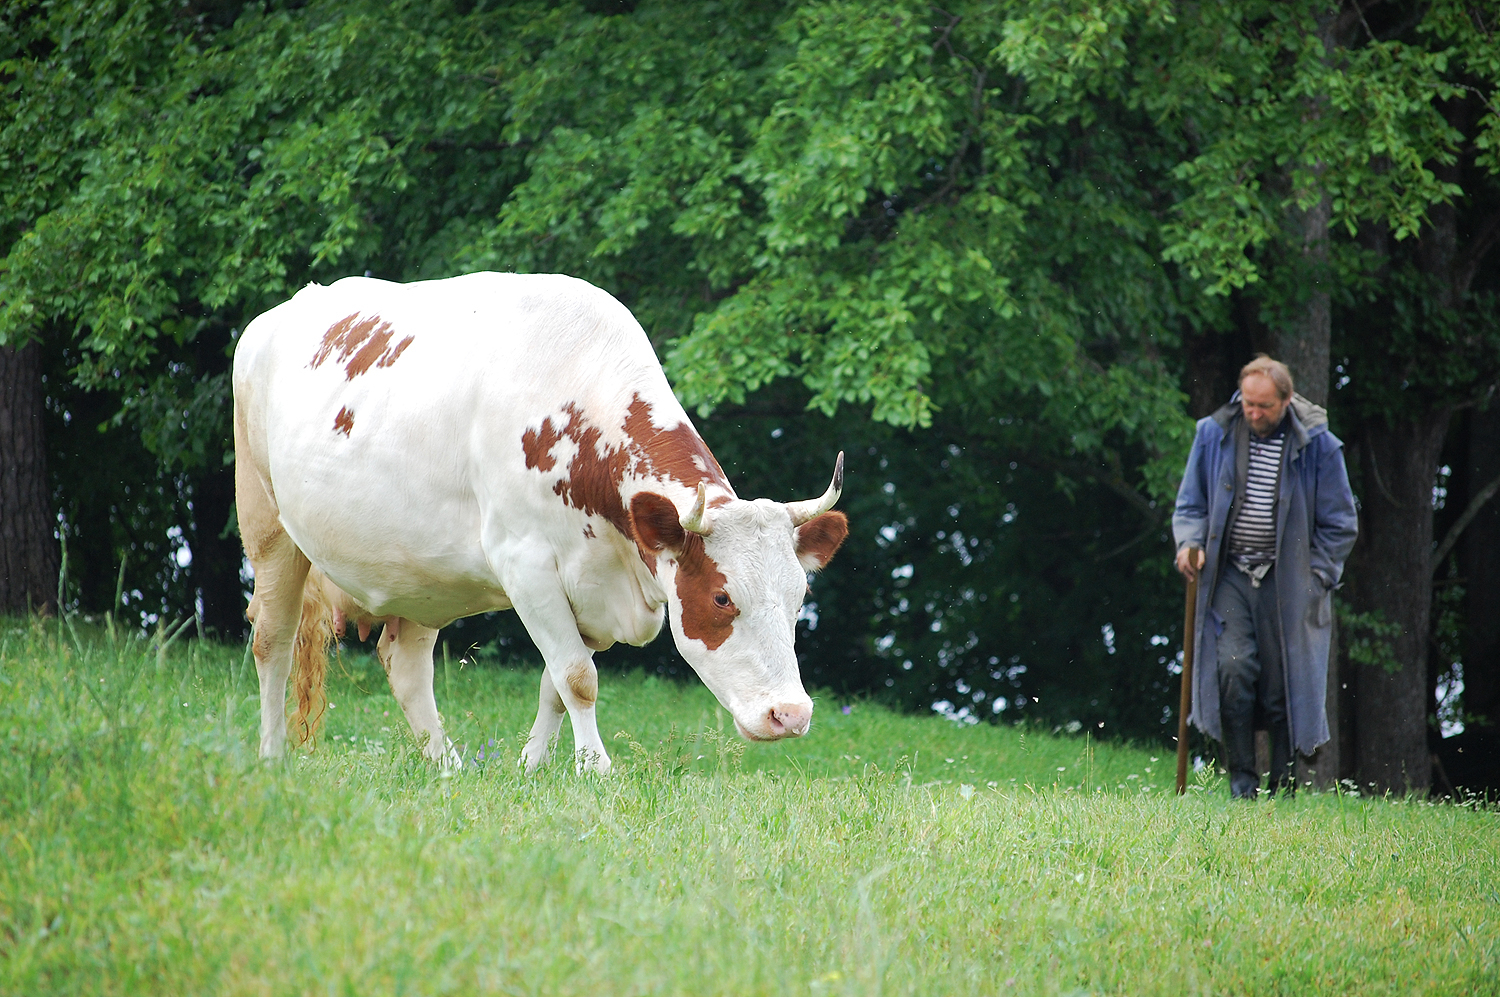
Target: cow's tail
[[310, 661]]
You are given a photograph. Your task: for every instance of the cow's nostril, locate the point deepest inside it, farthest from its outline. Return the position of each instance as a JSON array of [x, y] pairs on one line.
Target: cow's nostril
[[790, 719]]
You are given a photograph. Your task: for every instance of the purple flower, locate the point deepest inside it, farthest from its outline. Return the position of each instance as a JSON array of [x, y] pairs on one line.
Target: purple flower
[[846, 710]]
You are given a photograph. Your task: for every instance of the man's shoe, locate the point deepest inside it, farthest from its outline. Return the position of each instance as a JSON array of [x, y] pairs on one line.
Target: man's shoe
[[1243, 786]]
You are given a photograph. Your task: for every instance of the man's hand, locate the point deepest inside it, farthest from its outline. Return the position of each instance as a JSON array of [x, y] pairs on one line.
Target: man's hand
[[1189, 562]]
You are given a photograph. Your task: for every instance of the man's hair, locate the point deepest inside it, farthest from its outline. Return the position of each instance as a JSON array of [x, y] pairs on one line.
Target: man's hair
[[1273, 369]]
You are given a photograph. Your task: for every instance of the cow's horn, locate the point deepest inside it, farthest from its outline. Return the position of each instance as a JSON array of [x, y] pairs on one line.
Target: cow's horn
[[696, 521], [804, 511]]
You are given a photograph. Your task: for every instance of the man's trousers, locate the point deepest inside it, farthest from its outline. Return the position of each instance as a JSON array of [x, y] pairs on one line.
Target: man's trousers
[[1252, 682]]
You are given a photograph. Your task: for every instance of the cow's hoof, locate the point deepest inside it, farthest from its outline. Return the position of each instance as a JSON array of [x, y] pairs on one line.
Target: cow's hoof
[[449, 762], [592, 763], [534, 756]]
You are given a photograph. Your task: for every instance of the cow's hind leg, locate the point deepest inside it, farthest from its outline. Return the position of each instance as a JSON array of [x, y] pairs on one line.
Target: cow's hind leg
[[405, 649], [280, 571], [275, 609]]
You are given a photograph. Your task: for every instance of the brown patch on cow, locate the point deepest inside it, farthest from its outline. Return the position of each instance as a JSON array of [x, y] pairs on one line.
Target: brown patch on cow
[[588, 531], [594, 474], [597, 471], [261, 644], [820, 538], [583, 682], [656, 525], [678, 453], [359, 344], [699, 580], [538, 446], [344, 421]]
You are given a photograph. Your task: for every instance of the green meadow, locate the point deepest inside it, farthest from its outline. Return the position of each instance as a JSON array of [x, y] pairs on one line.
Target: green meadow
[[145, 850]]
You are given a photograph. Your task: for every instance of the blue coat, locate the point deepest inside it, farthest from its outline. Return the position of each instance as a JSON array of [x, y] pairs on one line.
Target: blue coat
[[1316, 524]]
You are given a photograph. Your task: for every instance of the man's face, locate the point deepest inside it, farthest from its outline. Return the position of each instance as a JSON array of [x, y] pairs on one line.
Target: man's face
[[1262, 405]]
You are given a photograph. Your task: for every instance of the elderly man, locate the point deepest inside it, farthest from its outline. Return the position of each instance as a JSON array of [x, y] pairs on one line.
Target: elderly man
[[1266, 515]]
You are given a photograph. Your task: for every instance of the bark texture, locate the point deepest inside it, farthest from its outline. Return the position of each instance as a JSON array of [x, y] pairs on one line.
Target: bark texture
[[217, 555], [1393, 577], [29, 552], [1479, 565], [1303, 343]]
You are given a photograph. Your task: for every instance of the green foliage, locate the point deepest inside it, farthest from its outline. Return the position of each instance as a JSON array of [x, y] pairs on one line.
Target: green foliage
[[1431, 350], [1366, 639], [853, 201], [196, 187], [144, 849], [975, 236], [1283, 119]]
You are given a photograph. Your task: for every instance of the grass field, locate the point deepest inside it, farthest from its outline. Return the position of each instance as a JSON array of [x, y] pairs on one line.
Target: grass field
[[144, 849]]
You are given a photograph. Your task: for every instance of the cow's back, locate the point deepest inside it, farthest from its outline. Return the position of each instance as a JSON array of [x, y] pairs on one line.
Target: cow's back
[[386, 421]]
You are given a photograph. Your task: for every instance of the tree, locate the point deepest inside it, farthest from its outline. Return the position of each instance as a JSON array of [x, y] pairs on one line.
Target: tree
[[1331, 147], [996, 253], [873, 208], [28, 550], [216, 160]]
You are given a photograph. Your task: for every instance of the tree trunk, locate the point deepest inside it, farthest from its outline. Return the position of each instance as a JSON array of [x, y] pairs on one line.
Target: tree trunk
[[28, 545], [1302, 343], [1301, 339], [1479, 565], [1394, 580], [217, 554]]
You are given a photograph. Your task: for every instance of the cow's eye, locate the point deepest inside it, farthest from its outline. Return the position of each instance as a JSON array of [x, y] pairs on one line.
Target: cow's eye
[[721, 599]]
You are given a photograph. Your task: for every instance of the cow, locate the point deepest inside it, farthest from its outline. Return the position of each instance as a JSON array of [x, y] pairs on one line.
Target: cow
[[410, 454]]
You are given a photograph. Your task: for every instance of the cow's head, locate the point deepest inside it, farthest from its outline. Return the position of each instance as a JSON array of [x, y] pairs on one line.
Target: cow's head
[[735, 577]]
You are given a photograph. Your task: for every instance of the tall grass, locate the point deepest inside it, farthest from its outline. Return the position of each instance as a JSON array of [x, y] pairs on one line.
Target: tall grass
[[144, 849]]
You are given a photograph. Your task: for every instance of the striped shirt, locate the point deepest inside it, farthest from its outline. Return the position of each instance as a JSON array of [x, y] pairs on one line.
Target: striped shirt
[[1252, 540]]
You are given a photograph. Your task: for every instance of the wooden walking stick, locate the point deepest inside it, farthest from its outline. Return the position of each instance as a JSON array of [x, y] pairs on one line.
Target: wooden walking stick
[[1185, 700]]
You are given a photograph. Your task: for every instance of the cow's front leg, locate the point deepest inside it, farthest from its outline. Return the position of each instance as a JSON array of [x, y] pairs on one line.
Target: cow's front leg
[[549, 714], [548, 616], [579, 690], [574, 695], [405, 649]]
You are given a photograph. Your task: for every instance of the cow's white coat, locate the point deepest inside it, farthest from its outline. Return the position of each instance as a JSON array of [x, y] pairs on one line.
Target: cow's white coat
[[420, 505]]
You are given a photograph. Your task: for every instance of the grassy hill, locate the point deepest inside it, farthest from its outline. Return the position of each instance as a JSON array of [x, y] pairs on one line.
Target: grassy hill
[[144, 849]]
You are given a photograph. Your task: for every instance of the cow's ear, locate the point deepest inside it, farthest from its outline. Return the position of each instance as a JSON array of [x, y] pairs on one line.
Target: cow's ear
[[819, 538], [656, 525]]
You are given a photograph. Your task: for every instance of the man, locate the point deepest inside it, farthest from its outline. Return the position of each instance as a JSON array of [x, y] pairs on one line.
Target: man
[[1266, 515]]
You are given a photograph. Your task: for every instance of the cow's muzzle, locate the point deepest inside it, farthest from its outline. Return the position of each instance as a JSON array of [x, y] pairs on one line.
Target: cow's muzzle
[[781, 720]]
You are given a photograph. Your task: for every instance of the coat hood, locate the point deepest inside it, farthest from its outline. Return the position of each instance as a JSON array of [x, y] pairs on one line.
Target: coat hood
[[1311, 416]]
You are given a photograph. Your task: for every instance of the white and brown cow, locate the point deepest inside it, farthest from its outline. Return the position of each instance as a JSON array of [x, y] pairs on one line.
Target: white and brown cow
[[445, 448]]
